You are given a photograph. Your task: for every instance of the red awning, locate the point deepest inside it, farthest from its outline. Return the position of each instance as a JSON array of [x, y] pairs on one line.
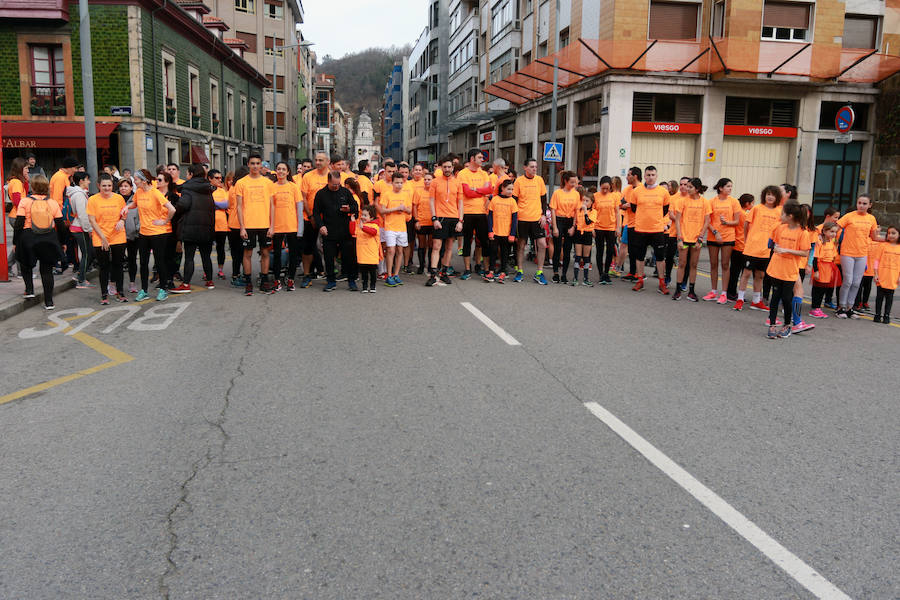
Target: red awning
[[42, 134], [197, 156]]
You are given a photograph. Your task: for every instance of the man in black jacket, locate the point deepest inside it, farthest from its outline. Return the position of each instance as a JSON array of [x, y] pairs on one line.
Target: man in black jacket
[[196, 226], [333, 207]]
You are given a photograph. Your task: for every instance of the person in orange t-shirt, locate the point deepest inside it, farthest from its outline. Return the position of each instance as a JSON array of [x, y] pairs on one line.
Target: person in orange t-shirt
[[220, 199], [155, 213], [368, 246], [446, 203], [313, 181], [721, 238], [758, 226], [788, 241], [691, 220], [105, 212], [737, 255], [887, 274], [394, 205], [421, 217], [607, 228], [34, 247], [564, 203], [677, 196], [288, 205], [476, 185], [256, 214], [633, 177], [503, 216], [584, 232], [824, 269], [649, 203], [858, 228]]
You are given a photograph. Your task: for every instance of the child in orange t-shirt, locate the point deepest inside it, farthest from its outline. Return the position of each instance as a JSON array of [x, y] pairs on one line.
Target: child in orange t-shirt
[[887, 274], [584, 230], [825, 273], [368, 246], [788, 241], [503, 219], [865, 286]]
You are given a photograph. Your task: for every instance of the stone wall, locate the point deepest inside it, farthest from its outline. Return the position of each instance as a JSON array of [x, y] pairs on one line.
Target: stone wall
[[885, 187]]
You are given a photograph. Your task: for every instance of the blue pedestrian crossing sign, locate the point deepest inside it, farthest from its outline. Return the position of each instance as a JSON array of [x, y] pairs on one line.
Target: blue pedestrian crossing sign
[[553, 152]]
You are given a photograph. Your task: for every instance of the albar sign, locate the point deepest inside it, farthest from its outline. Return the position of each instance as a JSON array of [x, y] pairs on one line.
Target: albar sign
[[656, 127], [19, 143]]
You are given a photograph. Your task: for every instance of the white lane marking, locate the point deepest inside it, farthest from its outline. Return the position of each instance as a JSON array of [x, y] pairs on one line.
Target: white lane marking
[[501, 333], [747, 529]]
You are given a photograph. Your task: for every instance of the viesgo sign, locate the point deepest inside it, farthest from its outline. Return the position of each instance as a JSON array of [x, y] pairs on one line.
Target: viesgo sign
[[655, 127], [761, 131]]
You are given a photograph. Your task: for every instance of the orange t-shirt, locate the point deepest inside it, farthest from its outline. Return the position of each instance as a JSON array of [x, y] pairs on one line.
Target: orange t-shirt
[[650, 202], [581, 223], [739, 232], [874, 248], [606, 207], [528, 192], [25, 208], [58, 184], [313, 181], [446, 193], [565, 203], [14, 186], [286, 198], [763, 221], [503, 209], [857, 230], [395, 221], [368, 246], [221, 195], [675, 201], [107, 212], [474, 179], [423, 206], [496, 180], [811, 238], [729, 208], [629, 214], [888, 257], [366, 185], [233, 222], [693, 212], [825, 251], [784, 266], [152, 206], [255, 195]]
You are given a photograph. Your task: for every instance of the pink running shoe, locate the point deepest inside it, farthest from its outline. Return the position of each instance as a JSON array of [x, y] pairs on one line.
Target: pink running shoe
[[818, 313], [710, 296], [723, 299]]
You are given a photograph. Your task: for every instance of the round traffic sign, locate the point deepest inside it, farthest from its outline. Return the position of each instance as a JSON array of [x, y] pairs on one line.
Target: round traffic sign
[[843, 121]]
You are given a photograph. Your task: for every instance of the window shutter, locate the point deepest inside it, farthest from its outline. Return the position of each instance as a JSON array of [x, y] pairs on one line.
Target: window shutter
[[642, 108], [859, 32], [673, 21], [735, 111], [792, 15], [249, 39]]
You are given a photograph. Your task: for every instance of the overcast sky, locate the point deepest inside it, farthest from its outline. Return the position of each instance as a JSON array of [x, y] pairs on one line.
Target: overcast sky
[[339, 27]]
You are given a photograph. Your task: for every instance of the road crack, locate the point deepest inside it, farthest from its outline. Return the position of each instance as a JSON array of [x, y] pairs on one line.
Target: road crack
[[213, 451]]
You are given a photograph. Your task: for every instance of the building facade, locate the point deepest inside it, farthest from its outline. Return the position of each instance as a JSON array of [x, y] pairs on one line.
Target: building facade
[[167, 88], [392, 127], [324, 112], [747, 89]]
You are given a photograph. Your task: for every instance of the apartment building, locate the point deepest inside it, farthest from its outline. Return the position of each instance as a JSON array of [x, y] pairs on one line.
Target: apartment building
[[323, 109], [271, 31], [746, 89]]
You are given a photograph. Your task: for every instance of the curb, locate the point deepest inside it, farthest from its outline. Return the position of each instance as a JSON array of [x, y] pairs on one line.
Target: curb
[[18, 305]]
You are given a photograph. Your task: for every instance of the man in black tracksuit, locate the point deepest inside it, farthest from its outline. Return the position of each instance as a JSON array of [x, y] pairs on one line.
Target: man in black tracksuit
[[332, 209]]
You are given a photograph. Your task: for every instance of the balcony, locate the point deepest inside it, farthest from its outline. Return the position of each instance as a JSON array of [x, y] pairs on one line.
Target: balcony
[[48, 100]]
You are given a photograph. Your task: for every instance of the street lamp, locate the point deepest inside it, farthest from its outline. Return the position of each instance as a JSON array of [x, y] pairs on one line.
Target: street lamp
[[275, 50]]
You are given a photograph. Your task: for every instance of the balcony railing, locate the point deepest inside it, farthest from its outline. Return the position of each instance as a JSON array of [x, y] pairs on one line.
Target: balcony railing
[[48, 100]]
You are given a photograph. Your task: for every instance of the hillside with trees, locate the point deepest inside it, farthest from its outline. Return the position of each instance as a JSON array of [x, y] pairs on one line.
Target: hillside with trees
[[360, 78]]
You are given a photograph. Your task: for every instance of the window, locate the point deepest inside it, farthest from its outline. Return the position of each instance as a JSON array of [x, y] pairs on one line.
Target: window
[[248, 38], [243, 117], [666, 108], [501, 16], [760, 111], [588, 156], [860, 32], [229, 108], [214, 105], [542, 50], [588, 111], [786, 21], [322, 109], [526, 58], [279, 82], [434, 87], [168, 74], [435, 20], [717, 26], [502, 67], [48, 84], [455, 20], [564, 38], [829, 112], [673, 21], [274, 9], [544, 120], [527, 8], [254, 121], [194, 93], [462, 54], [247, 6], [272, 43], [462, 97], [508, 131]]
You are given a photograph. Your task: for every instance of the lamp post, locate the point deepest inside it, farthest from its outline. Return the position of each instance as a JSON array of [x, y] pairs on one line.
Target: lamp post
[[275, 50]]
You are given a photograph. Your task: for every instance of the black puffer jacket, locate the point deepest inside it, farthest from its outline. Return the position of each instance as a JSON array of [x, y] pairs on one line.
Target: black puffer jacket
[[197, 211]]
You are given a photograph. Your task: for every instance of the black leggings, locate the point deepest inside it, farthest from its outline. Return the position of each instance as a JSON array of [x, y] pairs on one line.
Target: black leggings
[[818, 294], [501, 243], [368, 276], [110, 267], [173, 257], [671, 253], [734, 275], [157, 244], [292, 242], [782, 291], [477, 224], [887, 297], [865, 290], [632, 252], [563, 244], [221, 237], [46, 252], [131, 258], [236, 245], [605, 240], [206, 261]]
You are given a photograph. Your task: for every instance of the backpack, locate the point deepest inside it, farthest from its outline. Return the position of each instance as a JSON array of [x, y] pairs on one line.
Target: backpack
[[41, 215], [68, 212]]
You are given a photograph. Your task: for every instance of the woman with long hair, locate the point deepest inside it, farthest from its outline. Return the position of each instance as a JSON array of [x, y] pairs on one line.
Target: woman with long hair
[[35, 239], [16, 189], [105, 210], [155, 213]]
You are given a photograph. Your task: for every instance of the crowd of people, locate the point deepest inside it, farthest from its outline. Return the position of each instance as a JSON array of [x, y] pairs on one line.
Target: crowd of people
[[375, 226]]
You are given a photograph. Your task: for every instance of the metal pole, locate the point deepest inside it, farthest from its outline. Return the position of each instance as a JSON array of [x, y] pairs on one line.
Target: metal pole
[[551, 184], [274, 104], [843, 168], [87, 88]]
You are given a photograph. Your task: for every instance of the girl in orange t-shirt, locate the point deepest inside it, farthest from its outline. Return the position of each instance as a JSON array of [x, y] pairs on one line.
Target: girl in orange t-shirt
[[563, 206], [788, 241], [824, 270], [887, 274], [691, 220], [720, 241], [584, 228]]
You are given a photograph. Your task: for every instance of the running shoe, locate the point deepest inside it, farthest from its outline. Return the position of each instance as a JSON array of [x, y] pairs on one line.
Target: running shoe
[[121, 298], [613, 272], [390, 282], [587, 283], [710, 297], [28, 295], [305, 282], [489, 276], [330, 286], [445, 279], [466, 275], [248, 289], [420, 270], [132, 288], [866, 307], [638, 286], [739, 305], [778, 323], [573, 283], [759, 306], [352, 286], [340, 277], [84, 285], [555, 278], [801, 327], [772, 333], [431, 280], [886, 320], [50, 306], [397, 280], [852, 314], [142, 295], [785, 332], [831, 305], [365, 290], [459, 252], [662, 288], [290, 285], [372, 290], [383, 276], [210, 285], [818, 313], [220, 274], [451, 272], [277, 286], [677, 295], [518, 277], [630, 277], [563, 280], [539, 278], [104, 300], [723, 299], [184, 288], [693, 297], [501, 278]]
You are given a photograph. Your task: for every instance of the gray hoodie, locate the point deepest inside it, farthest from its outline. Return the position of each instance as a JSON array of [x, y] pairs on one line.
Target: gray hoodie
[[132, 222], [78, 198]]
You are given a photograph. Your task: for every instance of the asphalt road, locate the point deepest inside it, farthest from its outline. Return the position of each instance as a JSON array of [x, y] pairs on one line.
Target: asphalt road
[[310, 445]]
